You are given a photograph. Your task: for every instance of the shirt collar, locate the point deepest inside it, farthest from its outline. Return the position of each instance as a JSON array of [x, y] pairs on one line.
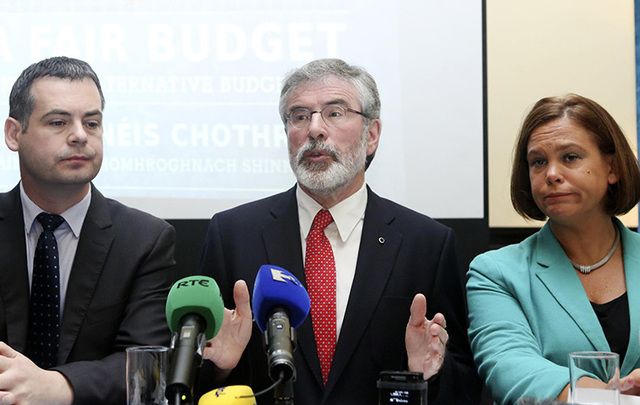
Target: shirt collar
[[74, 216], [346, 214]]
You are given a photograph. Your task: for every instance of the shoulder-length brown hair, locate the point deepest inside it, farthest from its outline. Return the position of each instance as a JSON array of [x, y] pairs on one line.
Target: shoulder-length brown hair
[[621, 196]]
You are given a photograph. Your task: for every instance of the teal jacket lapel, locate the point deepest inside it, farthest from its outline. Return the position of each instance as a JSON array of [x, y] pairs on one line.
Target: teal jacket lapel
[[631, 255], [556, 273]]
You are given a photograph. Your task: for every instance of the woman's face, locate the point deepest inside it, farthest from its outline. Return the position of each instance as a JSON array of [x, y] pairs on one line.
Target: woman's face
[[568, 173]]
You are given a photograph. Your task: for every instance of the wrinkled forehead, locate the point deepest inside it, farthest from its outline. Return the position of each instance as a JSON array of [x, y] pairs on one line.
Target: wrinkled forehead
[[320, 92], [560, 133]]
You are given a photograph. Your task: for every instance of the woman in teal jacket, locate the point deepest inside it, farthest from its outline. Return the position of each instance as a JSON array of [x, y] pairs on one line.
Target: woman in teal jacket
[[575, 284]]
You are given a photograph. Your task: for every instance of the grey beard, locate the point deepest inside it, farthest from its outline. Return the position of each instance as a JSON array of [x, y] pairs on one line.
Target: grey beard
[[325, 178]]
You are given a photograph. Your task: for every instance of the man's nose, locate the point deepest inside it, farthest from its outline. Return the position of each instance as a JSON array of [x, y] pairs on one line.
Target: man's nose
[[317, 126]]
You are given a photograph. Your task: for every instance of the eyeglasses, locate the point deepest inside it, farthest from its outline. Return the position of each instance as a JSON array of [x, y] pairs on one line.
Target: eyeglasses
[[332, 115]]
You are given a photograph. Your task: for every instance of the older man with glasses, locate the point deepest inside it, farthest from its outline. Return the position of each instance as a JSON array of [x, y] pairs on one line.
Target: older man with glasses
[[370, 265]]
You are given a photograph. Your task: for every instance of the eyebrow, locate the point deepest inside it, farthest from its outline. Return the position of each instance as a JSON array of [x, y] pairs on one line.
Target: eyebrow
[[336, 101], [562, 147], [91, 113]]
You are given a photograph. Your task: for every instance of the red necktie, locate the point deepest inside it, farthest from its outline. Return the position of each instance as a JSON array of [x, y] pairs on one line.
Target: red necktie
[[320, 272]]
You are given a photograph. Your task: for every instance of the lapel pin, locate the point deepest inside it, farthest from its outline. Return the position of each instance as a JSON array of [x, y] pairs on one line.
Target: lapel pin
[[381, 240]]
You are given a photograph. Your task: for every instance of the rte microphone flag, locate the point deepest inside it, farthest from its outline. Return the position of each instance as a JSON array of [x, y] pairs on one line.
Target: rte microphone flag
[[195, 312], [195, 295]]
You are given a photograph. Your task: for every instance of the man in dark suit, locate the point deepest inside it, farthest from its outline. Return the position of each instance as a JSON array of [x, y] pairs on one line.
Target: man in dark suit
[[113, 267], [382, 262]]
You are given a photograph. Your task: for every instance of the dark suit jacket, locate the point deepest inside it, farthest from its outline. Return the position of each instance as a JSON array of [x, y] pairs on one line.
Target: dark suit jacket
[[401, 253], [115, 298]]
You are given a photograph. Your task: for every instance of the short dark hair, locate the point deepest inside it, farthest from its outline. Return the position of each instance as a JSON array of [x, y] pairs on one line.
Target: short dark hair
[[621, 196], [21, 101]]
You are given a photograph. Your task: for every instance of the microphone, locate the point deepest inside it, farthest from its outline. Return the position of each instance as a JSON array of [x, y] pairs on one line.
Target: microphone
[[231, 395], [280, 304], [194, 314]]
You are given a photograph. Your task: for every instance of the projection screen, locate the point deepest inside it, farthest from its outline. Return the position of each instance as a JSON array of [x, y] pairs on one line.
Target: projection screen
[[191, 87]]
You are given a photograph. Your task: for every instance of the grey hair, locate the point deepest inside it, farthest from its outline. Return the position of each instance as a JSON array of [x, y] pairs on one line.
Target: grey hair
[[323, 68], [21, 101]]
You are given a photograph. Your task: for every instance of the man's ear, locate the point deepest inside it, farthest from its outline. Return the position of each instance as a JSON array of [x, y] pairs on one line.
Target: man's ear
[[12, 132], [374, 130]]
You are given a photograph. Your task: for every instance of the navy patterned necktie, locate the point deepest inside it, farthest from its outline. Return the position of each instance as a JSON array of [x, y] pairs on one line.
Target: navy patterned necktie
[[44, 306]]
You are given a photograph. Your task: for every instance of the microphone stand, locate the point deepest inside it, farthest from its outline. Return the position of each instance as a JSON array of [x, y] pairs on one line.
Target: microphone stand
[[177, 400], [280, 340], [183, 370], [283, 392]]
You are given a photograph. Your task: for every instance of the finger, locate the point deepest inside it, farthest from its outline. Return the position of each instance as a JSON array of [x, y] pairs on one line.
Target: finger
[[438, 331], [629, 381], [418, 310], [439, 319], [5, 364], [241, 299], [443, 336], [437, 350], [7, 398], [627, 386], [7, 351]]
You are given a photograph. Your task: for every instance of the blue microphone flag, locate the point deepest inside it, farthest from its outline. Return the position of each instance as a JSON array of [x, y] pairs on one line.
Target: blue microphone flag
[[277, 287]]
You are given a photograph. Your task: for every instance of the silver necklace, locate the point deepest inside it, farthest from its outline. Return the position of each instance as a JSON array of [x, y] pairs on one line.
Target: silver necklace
[[586, 269]]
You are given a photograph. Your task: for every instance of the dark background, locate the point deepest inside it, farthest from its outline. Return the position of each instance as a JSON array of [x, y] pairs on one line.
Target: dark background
[[472, 235]]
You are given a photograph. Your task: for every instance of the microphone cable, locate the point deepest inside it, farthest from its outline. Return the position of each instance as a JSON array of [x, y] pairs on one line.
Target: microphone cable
[[264, 391]]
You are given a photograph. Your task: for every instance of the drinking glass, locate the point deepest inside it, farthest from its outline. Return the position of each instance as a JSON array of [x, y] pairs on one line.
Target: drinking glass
[[601, 366], [146, 375]]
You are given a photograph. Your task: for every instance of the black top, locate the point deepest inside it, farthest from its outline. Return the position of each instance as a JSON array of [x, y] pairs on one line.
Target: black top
[[614, 318]]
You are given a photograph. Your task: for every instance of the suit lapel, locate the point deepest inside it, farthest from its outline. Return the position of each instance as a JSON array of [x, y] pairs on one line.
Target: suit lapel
[[376, 256], [377, 252], [284, 248], [558, 276], [14, 280], [630, 241], [95, 240], [282, 236]]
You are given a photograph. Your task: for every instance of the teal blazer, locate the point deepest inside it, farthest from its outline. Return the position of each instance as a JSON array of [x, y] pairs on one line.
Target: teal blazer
[[528, 311]]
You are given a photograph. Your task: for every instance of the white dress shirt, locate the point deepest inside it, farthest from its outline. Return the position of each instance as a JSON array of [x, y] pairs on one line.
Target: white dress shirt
[[344, 234], [67, 236]]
